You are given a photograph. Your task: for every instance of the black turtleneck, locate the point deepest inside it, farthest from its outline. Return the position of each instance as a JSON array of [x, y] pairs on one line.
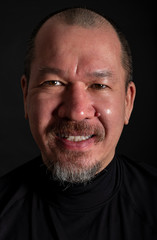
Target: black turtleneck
[[119, 203], [82, 197]]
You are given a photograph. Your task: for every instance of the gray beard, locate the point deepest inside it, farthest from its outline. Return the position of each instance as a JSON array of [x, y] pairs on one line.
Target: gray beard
[[71, 172]]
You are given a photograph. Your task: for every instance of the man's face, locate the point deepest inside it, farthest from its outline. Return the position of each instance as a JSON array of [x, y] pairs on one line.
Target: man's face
[[76, 101]]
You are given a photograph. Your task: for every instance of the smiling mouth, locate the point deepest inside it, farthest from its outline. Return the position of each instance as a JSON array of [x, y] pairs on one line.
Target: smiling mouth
[[75, 138]]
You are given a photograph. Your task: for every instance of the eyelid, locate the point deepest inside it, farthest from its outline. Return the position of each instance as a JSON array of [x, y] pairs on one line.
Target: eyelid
[[48, 82], [98, 86]]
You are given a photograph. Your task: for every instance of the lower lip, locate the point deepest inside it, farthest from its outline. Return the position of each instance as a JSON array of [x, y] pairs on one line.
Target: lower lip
[[77, 146]]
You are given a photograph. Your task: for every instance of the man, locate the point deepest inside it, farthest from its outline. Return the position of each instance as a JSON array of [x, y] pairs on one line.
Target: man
[[78, 94]]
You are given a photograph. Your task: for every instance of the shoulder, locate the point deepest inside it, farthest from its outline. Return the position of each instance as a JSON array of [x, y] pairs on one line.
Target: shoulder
[[16, 184], [138, 173], [139, 167], [140, 187]]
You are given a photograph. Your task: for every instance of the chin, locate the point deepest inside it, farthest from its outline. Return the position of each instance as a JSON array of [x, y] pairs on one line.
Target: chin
[[75, 167]]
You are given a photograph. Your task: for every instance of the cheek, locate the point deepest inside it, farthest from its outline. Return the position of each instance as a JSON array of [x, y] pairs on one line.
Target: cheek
[[40, 111], [112, 114]]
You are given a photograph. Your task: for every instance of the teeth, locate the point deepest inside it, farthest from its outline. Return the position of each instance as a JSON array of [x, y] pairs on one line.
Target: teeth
[[76, 138]]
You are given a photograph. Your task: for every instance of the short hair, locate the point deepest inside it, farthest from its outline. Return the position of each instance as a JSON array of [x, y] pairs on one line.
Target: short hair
[[85, 18]]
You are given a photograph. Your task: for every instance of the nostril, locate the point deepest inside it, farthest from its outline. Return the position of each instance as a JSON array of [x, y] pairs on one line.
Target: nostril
[[97, 114]]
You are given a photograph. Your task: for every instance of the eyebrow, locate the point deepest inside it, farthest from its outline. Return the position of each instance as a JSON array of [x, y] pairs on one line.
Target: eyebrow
[[52, 70], [56, 71], [100, 74]]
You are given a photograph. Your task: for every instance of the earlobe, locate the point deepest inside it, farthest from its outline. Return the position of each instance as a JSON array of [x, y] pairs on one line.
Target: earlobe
[[24, 86], [129, 101]]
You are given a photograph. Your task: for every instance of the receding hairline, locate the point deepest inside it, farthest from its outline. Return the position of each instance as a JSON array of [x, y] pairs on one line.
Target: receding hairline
[[78, 21], [77, 18], [80, 17]]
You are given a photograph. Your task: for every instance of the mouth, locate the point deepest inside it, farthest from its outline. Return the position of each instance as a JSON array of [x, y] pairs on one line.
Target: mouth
[[75, 142], [75, 138]]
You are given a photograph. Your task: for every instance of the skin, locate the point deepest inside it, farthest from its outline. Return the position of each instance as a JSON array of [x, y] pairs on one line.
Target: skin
[[87, 86]]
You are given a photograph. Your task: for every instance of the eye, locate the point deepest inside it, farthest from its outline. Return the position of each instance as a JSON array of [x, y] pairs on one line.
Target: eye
[[53, 83], [98, 86]]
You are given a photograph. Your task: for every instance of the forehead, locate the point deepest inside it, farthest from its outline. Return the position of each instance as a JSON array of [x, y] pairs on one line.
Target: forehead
[[65, 44], [54, 32]]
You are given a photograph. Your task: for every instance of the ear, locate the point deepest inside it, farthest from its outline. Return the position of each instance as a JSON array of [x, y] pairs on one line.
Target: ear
[[24, 86], [129, 101]]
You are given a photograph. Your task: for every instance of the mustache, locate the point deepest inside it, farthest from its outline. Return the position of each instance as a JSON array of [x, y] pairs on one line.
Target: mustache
[[73, 128]]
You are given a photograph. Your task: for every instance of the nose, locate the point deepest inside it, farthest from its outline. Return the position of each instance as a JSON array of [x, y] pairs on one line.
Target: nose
[[76, 104]]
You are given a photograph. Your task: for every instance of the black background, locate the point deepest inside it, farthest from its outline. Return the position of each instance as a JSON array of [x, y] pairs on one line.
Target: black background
[[18, 18]]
